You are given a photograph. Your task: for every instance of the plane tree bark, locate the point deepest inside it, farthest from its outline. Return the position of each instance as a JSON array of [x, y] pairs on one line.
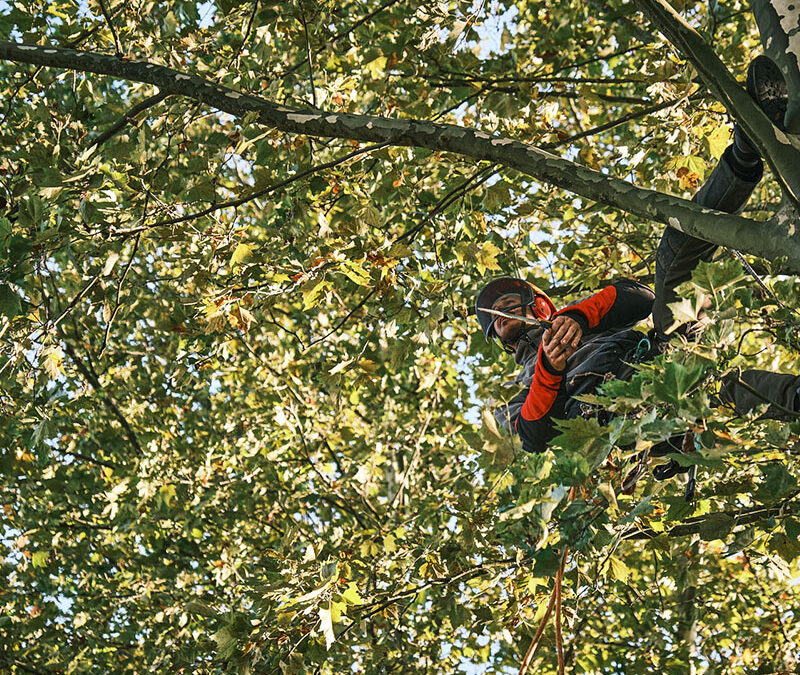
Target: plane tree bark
[[774, 239]]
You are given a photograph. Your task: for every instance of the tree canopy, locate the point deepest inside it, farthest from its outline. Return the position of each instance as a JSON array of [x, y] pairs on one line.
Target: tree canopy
[[245, 413]]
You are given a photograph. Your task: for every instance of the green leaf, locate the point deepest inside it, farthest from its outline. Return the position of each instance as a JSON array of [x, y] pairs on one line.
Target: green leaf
[[329, 570], [547, 562], [716, 526], [679, 508], [226, 642], [642, 508], [39, 558], [5, 233], [785, 547], [676, 381], [778, 482], [10, 303], [201, 608], [741, 541]]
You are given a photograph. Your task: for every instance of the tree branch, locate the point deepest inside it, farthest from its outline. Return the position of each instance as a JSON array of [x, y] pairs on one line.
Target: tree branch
[[254, 195], [771, 240], [347, 31], [113, 28], [127, 118], [109, 402], [777, 147], [740, 517]]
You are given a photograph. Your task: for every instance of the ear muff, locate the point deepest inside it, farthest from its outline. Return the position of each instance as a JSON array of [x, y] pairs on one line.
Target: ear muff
[[543, 307]]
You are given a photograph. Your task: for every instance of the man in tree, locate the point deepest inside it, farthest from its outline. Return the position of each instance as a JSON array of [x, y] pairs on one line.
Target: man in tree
[[591, 341]]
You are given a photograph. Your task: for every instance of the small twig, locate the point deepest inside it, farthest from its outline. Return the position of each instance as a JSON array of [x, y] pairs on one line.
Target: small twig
[[555, 600], [117, 304], [625, 118], [474, 181], [246, 37], [92, 460], [75, 300], [534, 646], [544, 79], [127, 118], [110, 22], [559, 637], [413, 461], [258, 193], [347, 31], [342, 322], [740, 517], [308, 59], [110, 404]]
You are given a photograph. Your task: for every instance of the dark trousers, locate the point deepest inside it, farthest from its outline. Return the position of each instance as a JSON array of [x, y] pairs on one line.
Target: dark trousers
[[727, 189]]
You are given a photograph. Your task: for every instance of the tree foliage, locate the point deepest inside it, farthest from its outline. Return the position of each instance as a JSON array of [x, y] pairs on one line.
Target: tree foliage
[[240, 391]]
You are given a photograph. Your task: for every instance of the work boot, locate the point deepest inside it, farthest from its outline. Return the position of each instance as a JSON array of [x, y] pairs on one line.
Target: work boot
[[767, 88], [779, 38]]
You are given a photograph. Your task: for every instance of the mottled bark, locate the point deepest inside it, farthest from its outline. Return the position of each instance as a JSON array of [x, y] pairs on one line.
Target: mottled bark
[[770, 240]]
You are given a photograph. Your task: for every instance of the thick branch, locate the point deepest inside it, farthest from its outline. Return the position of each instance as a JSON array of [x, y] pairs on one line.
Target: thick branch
[[776, 146], [770, 240]]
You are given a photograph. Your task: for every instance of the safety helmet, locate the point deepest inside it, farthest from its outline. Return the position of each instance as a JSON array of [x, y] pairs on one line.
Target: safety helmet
[[530, 296]]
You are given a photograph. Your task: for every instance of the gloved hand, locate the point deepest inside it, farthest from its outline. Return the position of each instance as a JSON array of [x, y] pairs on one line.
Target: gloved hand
[[666, 471]]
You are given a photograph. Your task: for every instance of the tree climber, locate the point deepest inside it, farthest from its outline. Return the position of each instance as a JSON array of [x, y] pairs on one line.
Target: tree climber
[[589, 342]]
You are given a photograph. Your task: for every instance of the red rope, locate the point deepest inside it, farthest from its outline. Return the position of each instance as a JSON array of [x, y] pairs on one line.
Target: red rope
[[555, 601]]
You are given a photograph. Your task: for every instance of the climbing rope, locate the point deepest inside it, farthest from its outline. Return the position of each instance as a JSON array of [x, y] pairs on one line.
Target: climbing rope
[[554, 602]]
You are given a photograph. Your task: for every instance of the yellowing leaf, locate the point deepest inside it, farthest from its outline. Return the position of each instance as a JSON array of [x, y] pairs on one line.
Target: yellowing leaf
[[338, 610], [428, 380], [607, 490], [53, 362], [312, 293], [388, 544], [619, 570], [588, 155], [240, 254], [113, 256], [718, 140], [167, 494], [353, 271], [486, 257], [351, 595], [376, 67], [39, 559], [326, 626]]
